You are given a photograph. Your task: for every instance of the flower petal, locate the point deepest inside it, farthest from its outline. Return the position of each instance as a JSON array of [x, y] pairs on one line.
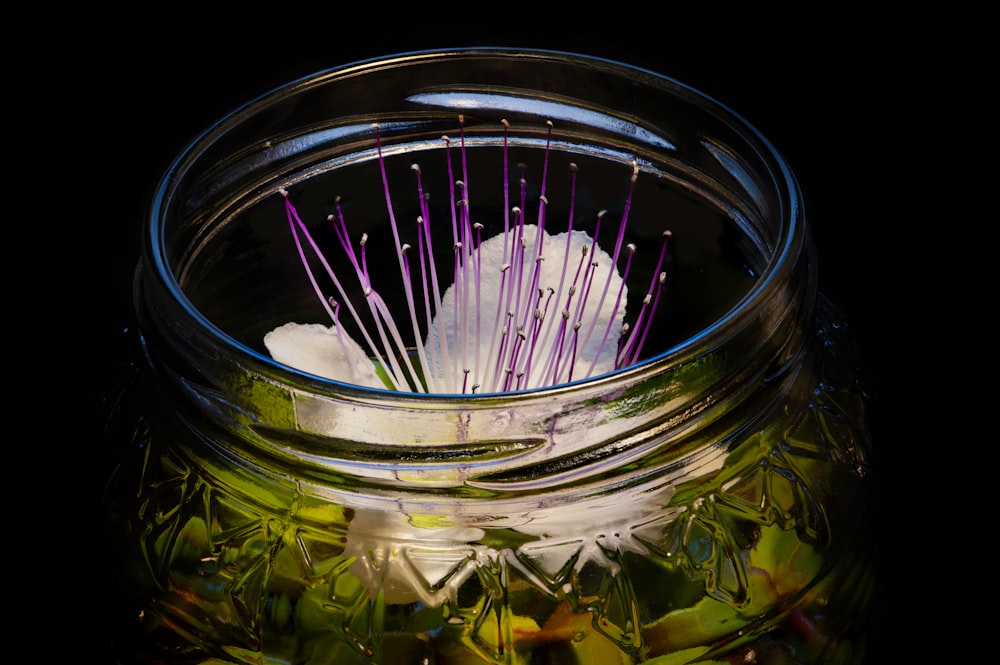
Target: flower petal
[[323, 351], [557, 271]]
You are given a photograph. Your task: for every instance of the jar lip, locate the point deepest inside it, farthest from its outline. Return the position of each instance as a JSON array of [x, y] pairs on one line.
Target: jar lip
[[787, 243]]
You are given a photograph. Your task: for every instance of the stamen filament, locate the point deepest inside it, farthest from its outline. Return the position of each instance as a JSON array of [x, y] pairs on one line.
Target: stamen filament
[[644, 320], [298, 227], [395, 236], [617, 252]]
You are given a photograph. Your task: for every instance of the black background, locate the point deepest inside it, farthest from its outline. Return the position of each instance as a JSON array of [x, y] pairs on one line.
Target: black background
[[824, 91]]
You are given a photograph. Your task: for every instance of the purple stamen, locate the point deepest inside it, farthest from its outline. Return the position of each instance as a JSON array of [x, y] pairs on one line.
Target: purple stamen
[[399, 253], [644, 321], [617, 252], [525, 344], [298, 227], [618, 303]]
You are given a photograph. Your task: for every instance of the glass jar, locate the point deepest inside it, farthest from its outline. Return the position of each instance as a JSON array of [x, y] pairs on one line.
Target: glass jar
[[708, 501]]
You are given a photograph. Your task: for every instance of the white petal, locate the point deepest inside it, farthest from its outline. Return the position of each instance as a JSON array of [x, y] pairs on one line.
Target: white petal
[[552, 268], [314, 348]]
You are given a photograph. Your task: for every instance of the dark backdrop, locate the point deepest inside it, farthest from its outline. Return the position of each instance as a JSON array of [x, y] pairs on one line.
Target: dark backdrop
[[823, 92]]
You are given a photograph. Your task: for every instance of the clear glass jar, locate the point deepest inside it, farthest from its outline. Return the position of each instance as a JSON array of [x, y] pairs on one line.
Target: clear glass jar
[[708, 503]]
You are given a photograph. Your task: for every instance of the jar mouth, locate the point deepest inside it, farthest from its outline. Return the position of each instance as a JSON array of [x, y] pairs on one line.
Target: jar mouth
[[675, 137]]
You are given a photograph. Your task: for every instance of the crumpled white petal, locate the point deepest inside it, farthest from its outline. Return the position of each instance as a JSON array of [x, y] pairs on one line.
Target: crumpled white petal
[[317, 349]]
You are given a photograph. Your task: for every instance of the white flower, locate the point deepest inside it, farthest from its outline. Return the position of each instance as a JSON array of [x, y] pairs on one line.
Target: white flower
[[527, 309]]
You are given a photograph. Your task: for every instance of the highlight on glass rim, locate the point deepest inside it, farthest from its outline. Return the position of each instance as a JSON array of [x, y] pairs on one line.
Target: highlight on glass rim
[[443, 365]]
